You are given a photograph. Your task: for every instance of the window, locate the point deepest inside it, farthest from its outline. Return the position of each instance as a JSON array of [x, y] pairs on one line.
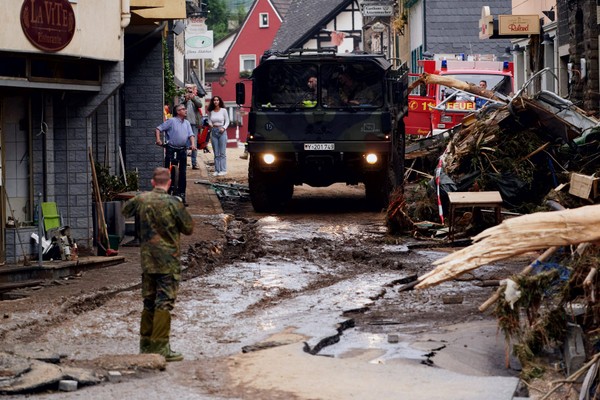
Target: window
[[263, 21], [247, 63]]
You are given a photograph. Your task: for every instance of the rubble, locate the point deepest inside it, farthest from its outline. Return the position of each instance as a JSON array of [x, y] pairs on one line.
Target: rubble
[[542, 153]]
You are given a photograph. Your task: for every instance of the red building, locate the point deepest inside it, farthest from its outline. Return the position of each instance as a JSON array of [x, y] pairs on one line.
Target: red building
[[253, 38]]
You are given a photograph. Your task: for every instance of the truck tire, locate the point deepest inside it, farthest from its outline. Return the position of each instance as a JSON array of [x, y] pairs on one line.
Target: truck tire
[[267, 195], [378, 188], [398, 155]]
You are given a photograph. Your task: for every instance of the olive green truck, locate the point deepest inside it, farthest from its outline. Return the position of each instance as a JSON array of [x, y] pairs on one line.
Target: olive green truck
[[349, 130]]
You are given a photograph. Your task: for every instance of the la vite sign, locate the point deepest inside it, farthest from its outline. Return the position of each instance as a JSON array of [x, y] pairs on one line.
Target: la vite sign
[[48, 24]]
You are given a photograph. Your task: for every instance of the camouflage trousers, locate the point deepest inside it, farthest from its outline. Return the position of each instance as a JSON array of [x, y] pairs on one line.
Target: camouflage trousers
[[159, 291]]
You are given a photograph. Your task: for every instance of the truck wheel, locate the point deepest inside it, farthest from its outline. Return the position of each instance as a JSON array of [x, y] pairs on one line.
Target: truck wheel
[[398, 156], [378, 189], [267, 195]]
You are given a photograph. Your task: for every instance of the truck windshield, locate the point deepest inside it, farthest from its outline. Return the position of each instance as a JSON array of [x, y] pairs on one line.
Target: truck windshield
[[286, 85], [352, 85]]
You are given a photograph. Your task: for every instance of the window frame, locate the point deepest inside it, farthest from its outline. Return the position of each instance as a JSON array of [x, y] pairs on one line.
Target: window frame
[[263, 20], [247, 57]]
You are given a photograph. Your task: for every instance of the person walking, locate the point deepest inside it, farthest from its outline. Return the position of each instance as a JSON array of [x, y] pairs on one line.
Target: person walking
[[193, 103], [218, 119], [162, 219], [177, 133]]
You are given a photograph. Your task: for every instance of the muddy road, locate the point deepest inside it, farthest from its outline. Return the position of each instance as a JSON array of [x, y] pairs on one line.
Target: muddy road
[[304, 304]]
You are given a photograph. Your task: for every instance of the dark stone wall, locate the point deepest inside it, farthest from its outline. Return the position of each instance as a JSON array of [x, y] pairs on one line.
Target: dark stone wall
[[452, 28], [142, 104], [583, 44]]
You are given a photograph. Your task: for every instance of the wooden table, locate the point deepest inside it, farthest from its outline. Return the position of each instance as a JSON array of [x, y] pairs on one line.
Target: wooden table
[[473, 200]]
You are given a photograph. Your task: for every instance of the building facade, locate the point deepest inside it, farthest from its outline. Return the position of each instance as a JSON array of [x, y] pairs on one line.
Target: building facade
[[68, 85]]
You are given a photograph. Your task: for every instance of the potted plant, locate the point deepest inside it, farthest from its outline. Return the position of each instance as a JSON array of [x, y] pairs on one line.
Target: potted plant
[[110, 186]]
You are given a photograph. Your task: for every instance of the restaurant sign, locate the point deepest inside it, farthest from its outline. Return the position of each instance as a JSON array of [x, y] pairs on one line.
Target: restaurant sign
[[48, 24], [511, 25]]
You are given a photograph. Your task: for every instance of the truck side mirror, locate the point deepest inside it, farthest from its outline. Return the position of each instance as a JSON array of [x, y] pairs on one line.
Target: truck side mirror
[[240, 93]]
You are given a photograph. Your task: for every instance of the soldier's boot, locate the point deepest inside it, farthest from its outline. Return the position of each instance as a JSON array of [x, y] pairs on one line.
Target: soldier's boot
[[146, 324], [160, 336], [163, 348]]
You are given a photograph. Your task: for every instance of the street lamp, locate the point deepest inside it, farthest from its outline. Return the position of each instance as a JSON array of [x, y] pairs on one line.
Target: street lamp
[[547, 39]]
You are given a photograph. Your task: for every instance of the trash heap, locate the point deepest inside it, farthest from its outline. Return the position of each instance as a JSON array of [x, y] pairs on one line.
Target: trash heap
[[530, 150], [542, 153]]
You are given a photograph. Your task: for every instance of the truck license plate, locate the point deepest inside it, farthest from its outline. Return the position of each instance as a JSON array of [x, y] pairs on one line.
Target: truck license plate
[[319, 146]]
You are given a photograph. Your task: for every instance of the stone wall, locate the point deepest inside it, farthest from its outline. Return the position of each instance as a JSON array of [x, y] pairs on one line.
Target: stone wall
[[142, 97]]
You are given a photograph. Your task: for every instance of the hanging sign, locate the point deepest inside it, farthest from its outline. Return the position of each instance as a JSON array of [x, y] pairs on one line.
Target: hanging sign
[[518, 25], [198, 40], [486, 23], [48, 24]]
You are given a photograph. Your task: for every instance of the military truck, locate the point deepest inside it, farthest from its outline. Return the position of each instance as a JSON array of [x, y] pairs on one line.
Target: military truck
[[349, 130]]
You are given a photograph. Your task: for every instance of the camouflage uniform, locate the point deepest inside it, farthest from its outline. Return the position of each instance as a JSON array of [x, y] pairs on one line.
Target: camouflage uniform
[[162, 218]]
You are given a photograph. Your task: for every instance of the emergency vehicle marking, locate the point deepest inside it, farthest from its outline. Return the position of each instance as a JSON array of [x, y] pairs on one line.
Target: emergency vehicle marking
[[460, 105], [424, 105]]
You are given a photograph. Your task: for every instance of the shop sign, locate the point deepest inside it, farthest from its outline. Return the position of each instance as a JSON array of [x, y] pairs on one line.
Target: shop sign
[[518, 25], [48, 24], [198, 40], [486, 23]]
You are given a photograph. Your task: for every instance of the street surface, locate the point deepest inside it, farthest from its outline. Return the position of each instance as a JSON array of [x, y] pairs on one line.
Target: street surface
[[298, 305]]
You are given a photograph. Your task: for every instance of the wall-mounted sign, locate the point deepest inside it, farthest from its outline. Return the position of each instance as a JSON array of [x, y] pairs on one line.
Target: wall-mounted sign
[[510, 25], [378, 27], [48, 24], [377, 10]]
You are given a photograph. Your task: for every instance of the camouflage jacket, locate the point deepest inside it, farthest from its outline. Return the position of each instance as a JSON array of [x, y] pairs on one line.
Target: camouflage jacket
[[162, 218]]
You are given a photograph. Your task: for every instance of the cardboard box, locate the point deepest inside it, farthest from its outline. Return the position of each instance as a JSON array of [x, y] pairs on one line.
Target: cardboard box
[[584, 186]]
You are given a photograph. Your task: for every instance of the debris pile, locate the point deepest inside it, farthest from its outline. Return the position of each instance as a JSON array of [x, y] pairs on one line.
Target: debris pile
[[541, 153], [528, 149]]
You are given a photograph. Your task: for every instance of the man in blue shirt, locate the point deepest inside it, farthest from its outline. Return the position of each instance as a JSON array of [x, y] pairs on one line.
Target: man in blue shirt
[[480, 102], [177, 132]]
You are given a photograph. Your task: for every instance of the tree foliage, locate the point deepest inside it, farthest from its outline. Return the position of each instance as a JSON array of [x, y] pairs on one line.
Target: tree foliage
[[171, 91], [217, 19]]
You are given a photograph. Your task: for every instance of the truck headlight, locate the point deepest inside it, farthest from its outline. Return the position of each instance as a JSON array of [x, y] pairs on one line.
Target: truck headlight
[[268, 158], [371, 158]]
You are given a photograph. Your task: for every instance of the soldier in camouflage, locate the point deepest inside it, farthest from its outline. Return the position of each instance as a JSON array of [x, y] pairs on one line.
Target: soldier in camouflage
[[162, 218]]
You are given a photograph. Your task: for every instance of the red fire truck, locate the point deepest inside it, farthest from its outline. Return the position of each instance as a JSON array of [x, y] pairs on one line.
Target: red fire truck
[[434, 108]]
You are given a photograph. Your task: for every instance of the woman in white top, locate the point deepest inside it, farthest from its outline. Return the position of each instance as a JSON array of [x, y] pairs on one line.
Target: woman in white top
[[218, 119]]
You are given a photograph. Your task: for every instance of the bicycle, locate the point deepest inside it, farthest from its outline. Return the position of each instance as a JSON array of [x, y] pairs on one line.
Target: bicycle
[[173, 156]]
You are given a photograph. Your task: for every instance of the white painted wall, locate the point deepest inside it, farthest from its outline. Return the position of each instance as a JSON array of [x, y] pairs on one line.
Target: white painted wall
[[416, 25], [343, 22], [221, 48]]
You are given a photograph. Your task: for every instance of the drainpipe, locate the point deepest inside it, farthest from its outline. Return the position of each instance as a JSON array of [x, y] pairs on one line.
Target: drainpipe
[[125, 14]]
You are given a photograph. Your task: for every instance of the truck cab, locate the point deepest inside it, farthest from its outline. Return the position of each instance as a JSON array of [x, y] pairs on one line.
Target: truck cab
[[346, 128], [434, 108]]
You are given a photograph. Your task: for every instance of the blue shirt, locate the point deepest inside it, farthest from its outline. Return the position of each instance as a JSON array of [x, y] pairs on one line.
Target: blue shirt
[[177, 131]]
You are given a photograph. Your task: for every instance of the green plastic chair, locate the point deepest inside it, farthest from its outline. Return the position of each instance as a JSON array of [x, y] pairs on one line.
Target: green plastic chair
[[51, 216]]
